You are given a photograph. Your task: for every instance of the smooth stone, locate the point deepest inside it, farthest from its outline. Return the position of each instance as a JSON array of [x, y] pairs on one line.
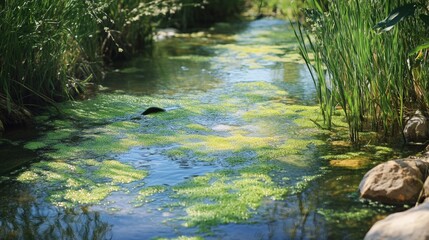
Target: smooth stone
[[425, 193], [410, 224], [394, 182], [416, 130], [153, 110]]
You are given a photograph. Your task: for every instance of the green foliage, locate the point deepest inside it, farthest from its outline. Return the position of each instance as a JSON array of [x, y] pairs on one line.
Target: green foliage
[[51, 49], [198, 13], [359, 70], [39, 40], [285, 8]]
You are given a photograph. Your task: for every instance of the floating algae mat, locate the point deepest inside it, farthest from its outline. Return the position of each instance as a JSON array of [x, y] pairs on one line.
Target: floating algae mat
[[238, 153]]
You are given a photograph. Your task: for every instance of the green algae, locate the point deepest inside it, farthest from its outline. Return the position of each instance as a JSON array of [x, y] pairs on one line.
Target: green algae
[[177, 152], [145, 194], [234, 143], [181, 238], [28, 176], [119, 172], [352, 216], [81, 185], [198, 127], [225, 197], [49, 139], [237, 160], [89, 196], [35, 145]]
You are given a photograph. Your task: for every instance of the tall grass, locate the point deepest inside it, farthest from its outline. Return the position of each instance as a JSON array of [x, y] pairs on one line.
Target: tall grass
[[49, 49], [358, 70], [37, 37]]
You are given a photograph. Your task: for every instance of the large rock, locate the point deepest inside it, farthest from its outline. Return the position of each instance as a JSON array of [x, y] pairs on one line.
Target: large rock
[[416, 129], [394, 182], [411, 224], [425, 193]]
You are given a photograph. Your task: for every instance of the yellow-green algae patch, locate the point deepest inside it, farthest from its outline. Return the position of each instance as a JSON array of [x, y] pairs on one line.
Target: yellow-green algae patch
[[89, 196], [50, 138], [353, 159], [82, 182], [225, 197], [198, 127], [146, 193], [181, 238], [119, 172], [35, 145], [28, 176]]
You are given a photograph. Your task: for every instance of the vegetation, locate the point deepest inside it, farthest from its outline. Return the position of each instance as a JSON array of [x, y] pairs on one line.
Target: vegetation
[[197, 13], [51, 50], [368, 75], [286, 8]]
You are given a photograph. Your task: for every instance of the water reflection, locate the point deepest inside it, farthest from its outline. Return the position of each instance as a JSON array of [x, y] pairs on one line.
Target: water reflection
[[22, 216]]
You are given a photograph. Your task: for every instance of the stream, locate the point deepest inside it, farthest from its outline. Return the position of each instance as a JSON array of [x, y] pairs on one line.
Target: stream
[[237, 155]]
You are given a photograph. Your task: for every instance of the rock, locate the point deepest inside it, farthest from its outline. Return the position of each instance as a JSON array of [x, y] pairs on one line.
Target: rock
[[416, 129], [394, 182], [152, 110], [411, 224], [425, 193]]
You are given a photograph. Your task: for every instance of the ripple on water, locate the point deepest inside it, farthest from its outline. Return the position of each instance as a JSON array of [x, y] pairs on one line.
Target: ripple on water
[[164, 170]]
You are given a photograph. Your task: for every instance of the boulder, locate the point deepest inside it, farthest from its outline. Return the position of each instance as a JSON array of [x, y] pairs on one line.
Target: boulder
[[153, 110], [411, 224], [394, 182], [425, 193], [416, 129]]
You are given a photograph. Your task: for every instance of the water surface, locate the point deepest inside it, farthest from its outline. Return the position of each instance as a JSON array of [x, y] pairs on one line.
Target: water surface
[[237, 155]]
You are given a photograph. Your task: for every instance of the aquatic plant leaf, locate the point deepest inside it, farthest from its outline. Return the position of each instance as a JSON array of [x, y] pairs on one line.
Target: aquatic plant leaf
[[397, 15], [419, 48]]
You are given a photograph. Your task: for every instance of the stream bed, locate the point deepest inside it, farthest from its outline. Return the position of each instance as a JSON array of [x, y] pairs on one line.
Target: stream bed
[[237, 155]]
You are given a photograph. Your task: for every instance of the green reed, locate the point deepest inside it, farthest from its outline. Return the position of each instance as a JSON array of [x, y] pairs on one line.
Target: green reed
[[36, 43], [357, 69], [51, 48]]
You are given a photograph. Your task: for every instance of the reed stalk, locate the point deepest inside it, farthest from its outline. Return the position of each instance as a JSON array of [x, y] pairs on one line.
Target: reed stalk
[[363, 72], [51, 48]]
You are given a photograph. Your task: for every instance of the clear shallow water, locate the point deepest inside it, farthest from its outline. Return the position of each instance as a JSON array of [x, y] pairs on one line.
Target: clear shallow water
[[237, 127]]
